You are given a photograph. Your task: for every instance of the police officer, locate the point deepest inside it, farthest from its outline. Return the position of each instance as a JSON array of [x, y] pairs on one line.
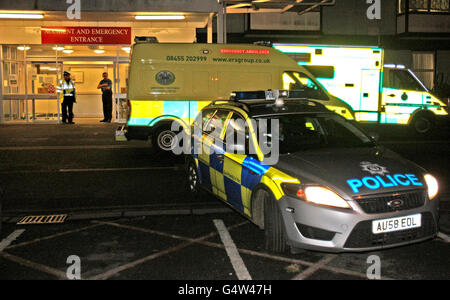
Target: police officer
[[106, 86], [66, 91]]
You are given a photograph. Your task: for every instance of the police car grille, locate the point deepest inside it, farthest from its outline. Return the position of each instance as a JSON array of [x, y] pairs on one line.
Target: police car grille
[[380, 203], [362, 236]]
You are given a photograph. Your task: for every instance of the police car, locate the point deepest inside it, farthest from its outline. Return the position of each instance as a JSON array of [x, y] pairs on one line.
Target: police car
[[309, 178]]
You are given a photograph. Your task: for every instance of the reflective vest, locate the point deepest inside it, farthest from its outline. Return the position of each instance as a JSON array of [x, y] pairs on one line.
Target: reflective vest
[[65, 89]]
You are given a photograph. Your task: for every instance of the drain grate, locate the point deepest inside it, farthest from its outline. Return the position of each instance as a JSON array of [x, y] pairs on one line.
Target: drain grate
[[49, 219]]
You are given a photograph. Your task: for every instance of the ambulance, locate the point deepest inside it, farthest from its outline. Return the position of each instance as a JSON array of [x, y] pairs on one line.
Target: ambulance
[[378, 93], [173, 82]]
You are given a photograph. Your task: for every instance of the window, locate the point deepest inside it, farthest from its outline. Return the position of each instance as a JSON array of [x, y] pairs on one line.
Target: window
[[214, 126], [305, 86], [401, 6], [301, 132], [237, 135], [402, 80], [427, 6], [423, 67]]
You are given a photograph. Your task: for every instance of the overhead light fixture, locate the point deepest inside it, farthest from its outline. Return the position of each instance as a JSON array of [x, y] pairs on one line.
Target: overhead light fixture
[[126, 49], [21, 16], [159, 17], [68, 51], [58, 48], [23, 48], [99, 51]]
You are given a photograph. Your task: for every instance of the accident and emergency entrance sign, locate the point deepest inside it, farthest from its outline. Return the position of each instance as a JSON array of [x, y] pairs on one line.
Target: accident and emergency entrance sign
[[86, 35]]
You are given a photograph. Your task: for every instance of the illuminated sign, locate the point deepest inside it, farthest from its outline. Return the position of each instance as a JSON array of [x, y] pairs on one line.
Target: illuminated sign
[[377, 182], [86, 35], [244, 51]]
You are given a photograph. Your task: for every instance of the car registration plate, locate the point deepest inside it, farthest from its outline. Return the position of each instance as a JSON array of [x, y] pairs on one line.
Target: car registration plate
[[396, 224]]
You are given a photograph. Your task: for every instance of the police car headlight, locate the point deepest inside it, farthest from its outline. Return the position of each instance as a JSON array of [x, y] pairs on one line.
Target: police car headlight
[[432, 185], [316, 195]]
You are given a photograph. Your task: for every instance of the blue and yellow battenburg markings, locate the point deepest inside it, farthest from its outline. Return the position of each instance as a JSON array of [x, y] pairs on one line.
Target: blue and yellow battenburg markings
[[148, 113], [233, 177], [387, 181]]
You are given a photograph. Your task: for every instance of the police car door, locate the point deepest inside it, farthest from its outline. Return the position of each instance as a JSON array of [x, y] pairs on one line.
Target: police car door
[[213, 140], [241, 171], [203, 144]]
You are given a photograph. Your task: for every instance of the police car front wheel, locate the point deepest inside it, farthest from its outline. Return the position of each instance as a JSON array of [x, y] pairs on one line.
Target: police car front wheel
[[275, 234]]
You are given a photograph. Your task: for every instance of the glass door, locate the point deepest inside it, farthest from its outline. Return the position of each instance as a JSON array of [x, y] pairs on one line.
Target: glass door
[[121, 91], [42, 100]]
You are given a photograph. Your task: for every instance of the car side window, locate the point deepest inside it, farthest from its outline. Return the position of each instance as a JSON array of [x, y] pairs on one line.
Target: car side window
[[237, 137], [205, 116], [214, 125]]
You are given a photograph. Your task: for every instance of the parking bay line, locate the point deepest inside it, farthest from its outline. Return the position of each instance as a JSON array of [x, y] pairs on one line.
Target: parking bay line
[[311, 270], [190, 241], [75, 147], [232, 251], [243, 251], [45, 269], [168, 168], [11, 238], [444, 237]]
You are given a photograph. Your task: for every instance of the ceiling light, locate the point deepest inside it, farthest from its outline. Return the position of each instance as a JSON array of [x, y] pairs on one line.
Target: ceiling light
[[23, 48], [20, 16], [159, 17], [99, 51], [58, 48], [68, 51], [126, 49]]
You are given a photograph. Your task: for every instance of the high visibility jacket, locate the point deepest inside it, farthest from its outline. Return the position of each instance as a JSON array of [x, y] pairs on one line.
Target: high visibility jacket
[[65, 89]]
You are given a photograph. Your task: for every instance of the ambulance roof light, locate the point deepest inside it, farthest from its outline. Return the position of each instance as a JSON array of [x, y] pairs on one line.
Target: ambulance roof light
[[394, 66], [146, 39]]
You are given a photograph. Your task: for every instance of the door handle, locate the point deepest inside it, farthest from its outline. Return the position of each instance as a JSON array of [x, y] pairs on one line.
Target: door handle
[[220, 157], [392, 95]]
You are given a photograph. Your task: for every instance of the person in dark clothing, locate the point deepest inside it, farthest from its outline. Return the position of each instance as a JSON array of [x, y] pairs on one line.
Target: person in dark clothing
[[66, 90], [106, 86]]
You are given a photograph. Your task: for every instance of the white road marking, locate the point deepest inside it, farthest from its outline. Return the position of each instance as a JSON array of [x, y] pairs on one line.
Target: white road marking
[[11, 238], [311, 270], [76, 147], [232, 251], [119, 169], [174, 168], [444, 237]]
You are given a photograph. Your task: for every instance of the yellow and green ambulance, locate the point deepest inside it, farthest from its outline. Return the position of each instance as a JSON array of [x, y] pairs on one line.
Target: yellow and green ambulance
[[378, 93], [170, 82]]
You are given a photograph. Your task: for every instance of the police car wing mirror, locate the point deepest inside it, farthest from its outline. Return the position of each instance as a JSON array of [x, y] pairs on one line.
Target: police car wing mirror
[[374, 136]]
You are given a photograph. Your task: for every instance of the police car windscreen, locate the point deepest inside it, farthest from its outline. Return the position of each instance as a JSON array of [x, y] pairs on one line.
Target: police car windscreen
[[300, 132]]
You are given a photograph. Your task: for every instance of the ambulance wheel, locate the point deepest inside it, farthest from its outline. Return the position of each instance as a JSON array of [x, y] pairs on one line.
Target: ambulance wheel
[[275, 235], [193, 178], [164, 140], [423, 123]]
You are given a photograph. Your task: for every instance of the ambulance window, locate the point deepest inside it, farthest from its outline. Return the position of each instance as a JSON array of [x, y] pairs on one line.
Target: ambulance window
[[300, 82], [402, 80], [214, 125]]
